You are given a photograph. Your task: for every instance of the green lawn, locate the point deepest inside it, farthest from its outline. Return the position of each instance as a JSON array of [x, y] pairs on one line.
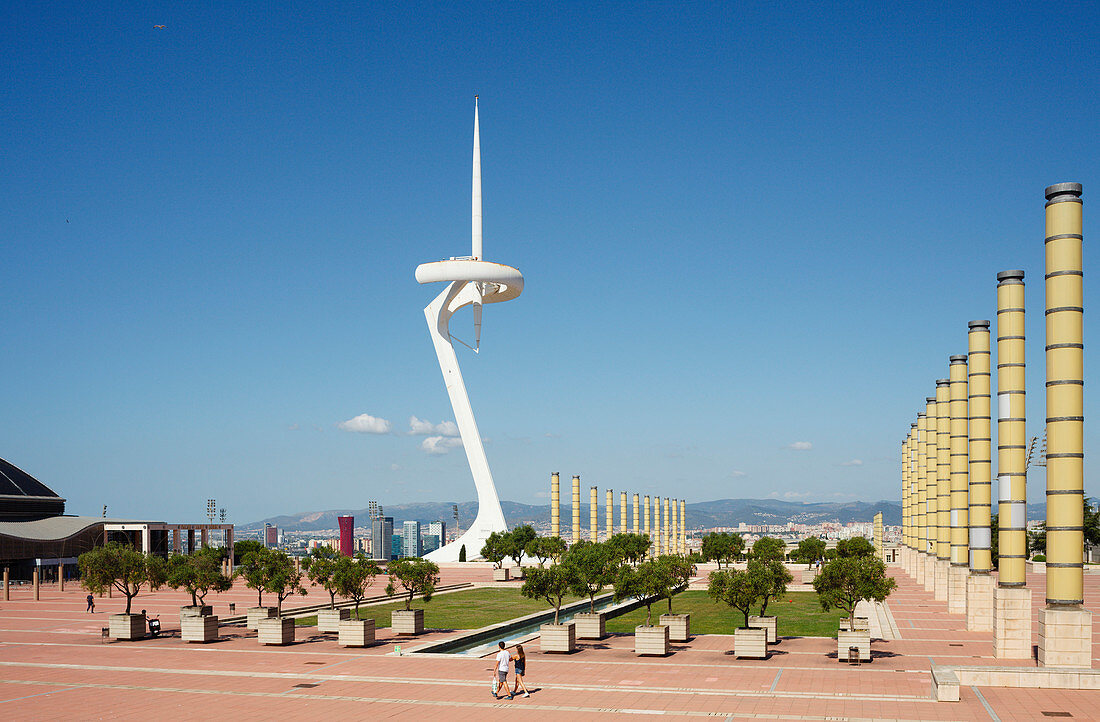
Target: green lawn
[[470, 609], [800, 615]]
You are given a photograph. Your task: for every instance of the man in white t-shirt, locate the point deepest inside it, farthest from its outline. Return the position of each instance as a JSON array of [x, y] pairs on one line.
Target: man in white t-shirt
[[501, 680]]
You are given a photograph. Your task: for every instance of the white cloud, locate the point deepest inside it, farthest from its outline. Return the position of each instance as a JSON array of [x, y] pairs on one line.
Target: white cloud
[[420, 427], [439, 444], [293, 427], [366, 424], [551, 435], [736, 473], [853, 462], [395, 467], [790, 494], [800, 446]]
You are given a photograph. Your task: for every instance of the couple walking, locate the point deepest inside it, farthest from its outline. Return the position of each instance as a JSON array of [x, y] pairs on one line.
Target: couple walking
[[500, 681]]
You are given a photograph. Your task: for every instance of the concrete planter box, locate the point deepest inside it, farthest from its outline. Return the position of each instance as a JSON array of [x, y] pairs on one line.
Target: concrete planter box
[[558, 637], [863, 624], [276, 630], [751, 643], [1037, 567], [769, 624], [651, 641], [679, 626], [255, 614], [517, 573], [410, 622], [590, 626], [859, 638], [203, 610], [356, 632], [127, 627], [200, 628], [500, 575], [328, 620]]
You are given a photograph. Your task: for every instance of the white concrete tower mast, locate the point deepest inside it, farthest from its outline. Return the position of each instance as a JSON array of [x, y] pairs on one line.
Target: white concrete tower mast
[[471, 281]]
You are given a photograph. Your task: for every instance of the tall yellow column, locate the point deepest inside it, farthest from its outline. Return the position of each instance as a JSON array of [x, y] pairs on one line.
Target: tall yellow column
[[905, 504], [675, 527], [979, 585], [668, 529], [876, 533], [960, 510], [658, 536], [1012, 599], [921, 515], [683, 525], [555, 504], [1065, 627], [610, 513], [622, 512], [931, 493], [576, 508], [911, 464], [943, 487], [637, 514], [593, 517], [646, 519]]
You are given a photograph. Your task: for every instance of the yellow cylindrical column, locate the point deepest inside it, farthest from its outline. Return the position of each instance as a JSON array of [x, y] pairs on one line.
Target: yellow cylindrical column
[[555, 504], [931, 490], [637, 514], [646, 519], [1011, 431], [1065, 386], [593, 516], [876, 534], [622, 512], [905, 492], [610, 512], [921, 515], [668, 530], [980, 482], [675, 528], [658, 537], [960, 510], [943, 470], [576, 508]]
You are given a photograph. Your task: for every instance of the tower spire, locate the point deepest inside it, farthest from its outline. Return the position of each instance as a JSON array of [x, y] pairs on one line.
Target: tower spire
[[476, 219]]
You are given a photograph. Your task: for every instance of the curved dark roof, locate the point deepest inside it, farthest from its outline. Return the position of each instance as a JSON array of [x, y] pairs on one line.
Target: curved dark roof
[[22, 497]]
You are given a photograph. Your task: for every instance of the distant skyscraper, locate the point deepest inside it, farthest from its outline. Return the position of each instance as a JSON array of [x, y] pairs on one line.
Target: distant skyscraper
[[271, 536], [347, 533], [395, 546], [430, 543], [410, 532], [439, 529], [381, 533]]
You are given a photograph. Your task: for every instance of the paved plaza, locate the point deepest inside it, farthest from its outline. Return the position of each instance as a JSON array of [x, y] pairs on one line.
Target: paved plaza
[[54, 665]]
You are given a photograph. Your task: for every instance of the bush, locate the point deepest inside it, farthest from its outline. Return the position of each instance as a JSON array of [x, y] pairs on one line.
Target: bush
[[1039, 558]]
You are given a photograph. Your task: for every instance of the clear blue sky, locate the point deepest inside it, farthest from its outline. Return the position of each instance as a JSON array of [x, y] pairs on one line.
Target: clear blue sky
[[743, 228]]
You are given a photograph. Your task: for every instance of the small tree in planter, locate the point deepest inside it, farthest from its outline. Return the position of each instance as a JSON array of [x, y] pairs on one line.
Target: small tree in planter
[[416, 576], [198, 574], [680, 570], [553, 584], [857, 546], [630, 548], [843, 582], [516, 541], [320, 567], [741, 590], [596, 566], [648, 582], [545, 547], [766, 549], [494, 549], [809, 550], [352, 577], [774, 580], [121, 567]]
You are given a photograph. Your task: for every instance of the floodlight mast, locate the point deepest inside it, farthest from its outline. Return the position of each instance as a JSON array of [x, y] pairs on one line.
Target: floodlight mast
[[471, 281]]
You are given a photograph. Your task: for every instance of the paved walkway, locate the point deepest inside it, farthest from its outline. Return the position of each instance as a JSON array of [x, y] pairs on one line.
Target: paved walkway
[[53, 665]]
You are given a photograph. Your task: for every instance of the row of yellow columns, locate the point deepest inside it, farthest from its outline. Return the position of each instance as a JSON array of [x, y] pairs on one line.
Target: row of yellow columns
[[946, 469], [669, 537]]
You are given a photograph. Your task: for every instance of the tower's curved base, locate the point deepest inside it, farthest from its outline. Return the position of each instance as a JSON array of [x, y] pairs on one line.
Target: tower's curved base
[[473, 539]]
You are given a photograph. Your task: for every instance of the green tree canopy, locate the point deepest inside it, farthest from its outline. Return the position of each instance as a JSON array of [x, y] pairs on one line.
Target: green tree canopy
[[722, 547], [681, 569], [596, 566], [121, 567], [630, 547], [320, 566], [740, 589], [198, 574], [495, 549], [353, 576], [809, 550], [516, 541], [648, 582], [1092, 522], [768, 548], [552, 584], [857, 546], [272, 570], [242, 547], [415, 575], [844, 581], [774, 580], [545, 547]]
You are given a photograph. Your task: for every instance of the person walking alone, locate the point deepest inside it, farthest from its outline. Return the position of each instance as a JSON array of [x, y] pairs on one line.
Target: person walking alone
[[91, 603], [520, 660], [500, 682]]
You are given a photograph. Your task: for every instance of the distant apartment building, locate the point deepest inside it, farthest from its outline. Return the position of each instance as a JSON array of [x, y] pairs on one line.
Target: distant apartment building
[[396, 546], [382, 537], [271, 536], [410, 533], [363, 545], [439, 530]]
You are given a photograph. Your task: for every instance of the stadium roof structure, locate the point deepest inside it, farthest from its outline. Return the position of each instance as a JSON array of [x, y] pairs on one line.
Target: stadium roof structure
[[24, 498]]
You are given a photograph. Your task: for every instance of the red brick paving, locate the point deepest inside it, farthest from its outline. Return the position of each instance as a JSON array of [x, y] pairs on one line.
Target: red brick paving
[[53, 665]]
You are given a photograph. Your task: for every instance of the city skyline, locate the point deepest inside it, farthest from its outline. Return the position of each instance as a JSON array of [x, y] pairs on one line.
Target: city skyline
[[750, 243]]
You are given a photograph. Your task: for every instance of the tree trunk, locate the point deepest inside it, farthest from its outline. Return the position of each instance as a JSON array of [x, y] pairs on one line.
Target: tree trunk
[[592, 603], [648, 616], [332, 600], [259, 598]]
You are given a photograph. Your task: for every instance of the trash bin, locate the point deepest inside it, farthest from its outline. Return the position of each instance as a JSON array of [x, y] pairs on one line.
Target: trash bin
[[853, 656]]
